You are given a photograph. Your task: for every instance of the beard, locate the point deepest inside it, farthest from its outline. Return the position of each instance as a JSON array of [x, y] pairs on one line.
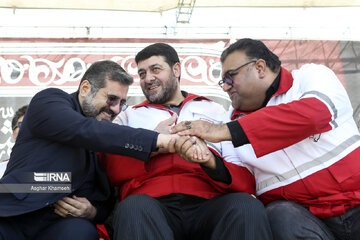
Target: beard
[[168, 90], [91, 111]]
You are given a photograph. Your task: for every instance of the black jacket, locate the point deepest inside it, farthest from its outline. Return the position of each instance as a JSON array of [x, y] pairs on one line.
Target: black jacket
[[56, 137]]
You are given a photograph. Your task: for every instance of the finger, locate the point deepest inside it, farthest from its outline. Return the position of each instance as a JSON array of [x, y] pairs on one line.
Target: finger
[[60, 210], [188, 132], [194, 148], [201, 157], [201, 148], [172, 119], [169, 121], [80, 199], [204, 150], [178, 127], [197, 153], [188, 151], [179, 144], [164, 126], [72, 202], [194, 154], [69, 207], [64, 215], [82, 202], [63, 203], [73, 207]]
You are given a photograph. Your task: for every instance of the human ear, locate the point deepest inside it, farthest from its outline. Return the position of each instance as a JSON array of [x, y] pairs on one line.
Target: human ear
[[177, 70], [85, 88], [260, 67]]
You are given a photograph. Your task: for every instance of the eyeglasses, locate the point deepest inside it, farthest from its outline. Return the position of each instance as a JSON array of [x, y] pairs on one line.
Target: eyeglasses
[[17, 125], [228, 75], [113, 100]]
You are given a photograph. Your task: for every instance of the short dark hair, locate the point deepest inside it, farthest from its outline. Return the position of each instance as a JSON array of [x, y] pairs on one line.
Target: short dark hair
[[18, 114], [254, 49], [100, 71], [158, 49]]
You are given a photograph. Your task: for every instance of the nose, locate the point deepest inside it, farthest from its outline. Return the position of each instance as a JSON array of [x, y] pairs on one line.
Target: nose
[[149, 77], [115, 108], [227, 87]]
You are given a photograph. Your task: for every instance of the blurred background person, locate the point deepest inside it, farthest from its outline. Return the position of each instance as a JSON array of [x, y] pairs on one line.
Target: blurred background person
[[15, 126]]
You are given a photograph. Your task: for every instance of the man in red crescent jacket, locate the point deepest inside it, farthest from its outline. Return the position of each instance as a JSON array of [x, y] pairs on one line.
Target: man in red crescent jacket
[[296, 132], [180, 196]]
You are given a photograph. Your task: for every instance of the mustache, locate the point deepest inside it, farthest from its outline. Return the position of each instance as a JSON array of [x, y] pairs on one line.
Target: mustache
[[156, 82], [107, 110]]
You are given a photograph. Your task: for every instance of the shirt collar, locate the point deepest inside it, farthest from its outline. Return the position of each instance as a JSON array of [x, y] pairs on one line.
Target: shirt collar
[[272, 89]]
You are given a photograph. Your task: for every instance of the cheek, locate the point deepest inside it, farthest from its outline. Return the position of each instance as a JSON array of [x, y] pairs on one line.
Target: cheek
[[99, 104], [244, 88], [16, 132], [142, 84], [239, 87]]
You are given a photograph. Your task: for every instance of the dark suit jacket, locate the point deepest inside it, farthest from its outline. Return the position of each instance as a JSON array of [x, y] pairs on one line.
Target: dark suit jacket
[[56, 137]]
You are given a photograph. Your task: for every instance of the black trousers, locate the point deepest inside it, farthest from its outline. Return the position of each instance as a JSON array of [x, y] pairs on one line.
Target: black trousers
[[177, 216], [45, 224]]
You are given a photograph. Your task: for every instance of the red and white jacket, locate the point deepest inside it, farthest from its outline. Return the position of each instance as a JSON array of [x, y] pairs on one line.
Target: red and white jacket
[[305, 143], [167, 173]]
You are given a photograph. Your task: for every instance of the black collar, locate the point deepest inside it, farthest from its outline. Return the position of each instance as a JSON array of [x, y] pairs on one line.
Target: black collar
[[272, 90]]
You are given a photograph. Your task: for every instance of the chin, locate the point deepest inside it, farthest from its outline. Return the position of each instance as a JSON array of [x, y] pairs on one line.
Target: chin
[[102, 119], [235, 106]]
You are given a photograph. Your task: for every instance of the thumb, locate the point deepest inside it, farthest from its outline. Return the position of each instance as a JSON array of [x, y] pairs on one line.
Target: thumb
[[171, 120]]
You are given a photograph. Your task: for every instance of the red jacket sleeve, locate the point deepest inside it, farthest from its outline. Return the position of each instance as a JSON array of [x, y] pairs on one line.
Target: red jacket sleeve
[[276, 127]]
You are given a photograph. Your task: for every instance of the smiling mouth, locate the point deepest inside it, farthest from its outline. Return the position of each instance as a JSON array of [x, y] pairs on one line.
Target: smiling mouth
[[153, 87], [105, 116]]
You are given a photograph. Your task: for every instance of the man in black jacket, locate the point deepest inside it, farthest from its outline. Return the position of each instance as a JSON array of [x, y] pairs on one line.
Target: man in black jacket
[[58, 141]]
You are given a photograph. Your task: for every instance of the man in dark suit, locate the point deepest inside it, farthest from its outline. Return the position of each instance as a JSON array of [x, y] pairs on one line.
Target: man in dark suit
[[61, 134]]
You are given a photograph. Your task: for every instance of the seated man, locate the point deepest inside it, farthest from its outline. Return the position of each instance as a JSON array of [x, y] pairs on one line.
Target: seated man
[[296, 131], [165, 196], [61, 133]]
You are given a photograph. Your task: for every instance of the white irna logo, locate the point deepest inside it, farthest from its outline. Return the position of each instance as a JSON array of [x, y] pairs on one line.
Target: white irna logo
[[52, 177]]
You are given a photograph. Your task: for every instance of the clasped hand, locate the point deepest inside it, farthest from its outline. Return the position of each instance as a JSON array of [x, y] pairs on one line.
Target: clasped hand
[[192, 149], [76, 207], [202, 129]]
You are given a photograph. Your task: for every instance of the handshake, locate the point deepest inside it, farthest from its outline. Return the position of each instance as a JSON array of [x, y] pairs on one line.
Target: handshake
[[187, 139]]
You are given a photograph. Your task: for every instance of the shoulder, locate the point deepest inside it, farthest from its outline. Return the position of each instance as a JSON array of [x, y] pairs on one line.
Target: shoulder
[[206, 108], [212, 106], [51, 94], [51, 99], [312, 69]]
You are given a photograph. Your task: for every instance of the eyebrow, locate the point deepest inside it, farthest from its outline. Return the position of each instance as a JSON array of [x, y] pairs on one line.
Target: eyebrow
[[112, 95]]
